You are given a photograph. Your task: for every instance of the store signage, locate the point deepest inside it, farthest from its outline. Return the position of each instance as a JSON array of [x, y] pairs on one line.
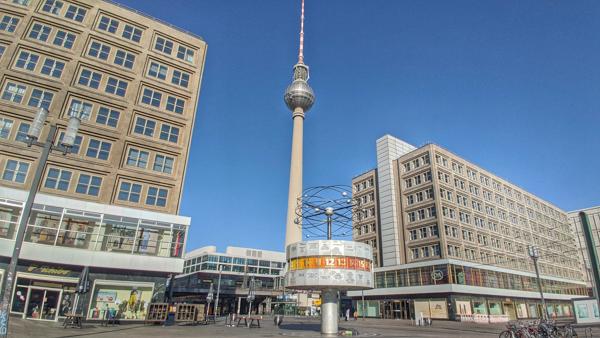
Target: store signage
[[48, 270], [437, 275]]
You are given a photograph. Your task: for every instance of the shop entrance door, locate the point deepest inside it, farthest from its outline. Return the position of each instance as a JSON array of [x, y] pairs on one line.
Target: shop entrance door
[[509, 310], [401, 309], [42, 303]]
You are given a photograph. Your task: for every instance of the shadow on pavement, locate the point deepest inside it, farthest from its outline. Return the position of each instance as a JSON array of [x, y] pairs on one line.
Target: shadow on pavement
[[301, 327], [99, 332]]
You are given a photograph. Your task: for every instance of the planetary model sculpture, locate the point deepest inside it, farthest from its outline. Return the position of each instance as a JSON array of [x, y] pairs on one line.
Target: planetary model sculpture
[[327, 264]]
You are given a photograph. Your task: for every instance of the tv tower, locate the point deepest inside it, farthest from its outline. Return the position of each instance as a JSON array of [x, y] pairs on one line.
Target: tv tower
[[299, 98]]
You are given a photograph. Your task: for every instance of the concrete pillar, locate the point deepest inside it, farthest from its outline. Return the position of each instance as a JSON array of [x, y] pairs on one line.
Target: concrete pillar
[[329, 313], [239, 305], [293, 231]]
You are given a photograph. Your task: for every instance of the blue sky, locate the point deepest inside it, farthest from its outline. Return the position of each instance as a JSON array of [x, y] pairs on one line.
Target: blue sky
[[513, 86]]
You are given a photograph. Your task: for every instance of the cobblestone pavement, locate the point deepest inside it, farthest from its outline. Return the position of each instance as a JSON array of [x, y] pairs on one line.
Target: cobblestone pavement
[[291, 327]]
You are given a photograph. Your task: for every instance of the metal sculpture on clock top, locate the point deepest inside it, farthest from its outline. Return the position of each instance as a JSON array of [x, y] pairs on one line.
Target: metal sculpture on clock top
[[325, 212]]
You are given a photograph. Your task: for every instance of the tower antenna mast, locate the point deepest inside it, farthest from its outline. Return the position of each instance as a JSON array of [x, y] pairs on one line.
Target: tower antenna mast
[[301, 49]]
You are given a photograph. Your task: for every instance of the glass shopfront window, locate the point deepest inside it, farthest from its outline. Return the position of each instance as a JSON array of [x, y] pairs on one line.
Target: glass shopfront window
[[118, 234], [42, 299], [464, 275], [479, 307], [121, 301], [77, 232], [9, 220], [533, 310], [51, 225], [43, 227], [495, 307]]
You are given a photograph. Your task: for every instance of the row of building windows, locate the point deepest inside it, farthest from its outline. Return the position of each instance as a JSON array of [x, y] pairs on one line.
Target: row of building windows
[[87, 184], [59, 8], [365, 184], [417, 180], [36, 97], [424, 252], [508, 191], [42, 64], [108, 24], [420, 196], [365, 229], [425, 232], [366, 198], [422, 214], [365, 214], [421, 160], [96, 148]]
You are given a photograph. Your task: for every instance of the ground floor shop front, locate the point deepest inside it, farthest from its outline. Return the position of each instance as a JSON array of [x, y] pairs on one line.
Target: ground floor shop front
[[460, 307], [47, 292]]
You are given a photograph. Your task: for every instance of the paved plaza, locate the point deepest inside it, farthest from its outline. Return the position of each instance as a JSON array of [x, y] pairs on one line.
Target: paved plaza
[[292, 327]]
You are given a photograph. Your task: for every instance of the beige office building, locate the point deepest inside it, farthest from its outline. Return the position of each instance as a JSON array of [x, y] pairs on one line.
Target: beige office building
[[113, 202], [451, 240]]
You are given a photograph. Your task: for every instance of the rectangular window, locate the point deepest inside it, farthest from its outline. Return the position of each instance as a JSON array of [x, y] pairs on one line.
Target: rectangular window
[[125, 59], [15, 171], [64, 39], [175, 105], [108, 24], [116, 86], [53, 68], [169, 133], [5, 127], [180, 78], [163, 164], [22, 132], [163, 45], [81, 109], [40, 99], [98, 149], [137, 158], [151, 97], [108, 117], [76, 145], [9, 23], [2, 50], [88, 185], [52, 6], [185, 54], [14, 92], [130, 192], [21, 2], [75, 13], [40, 32], [90, 79], [132, 33], [58, 179], [144, 127], [99, 50], [27, 60], [157, 70], [157, 196]]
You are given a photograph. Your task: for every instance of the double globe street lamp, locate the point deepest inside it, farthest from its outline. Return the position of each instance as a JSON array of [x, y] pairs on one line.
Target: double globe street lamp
[[65, 146]]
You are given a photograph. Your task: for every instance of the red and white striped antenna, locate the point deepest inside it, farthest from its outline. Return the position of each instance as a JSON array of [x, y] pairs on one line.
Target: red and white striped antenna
[[301, 50]]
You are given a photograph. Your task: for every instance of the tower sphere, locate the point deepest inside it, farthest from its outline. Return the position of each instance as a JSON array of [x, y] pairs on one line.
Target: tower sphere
[[299, 95]]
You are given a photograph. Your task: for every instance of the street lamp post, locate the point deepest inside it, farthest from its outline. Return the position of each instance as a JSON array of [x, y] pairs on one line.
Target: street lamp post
[[251, 295], [363, 303], [65, 146], [534, 253], [209, 298], [217, 311]]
